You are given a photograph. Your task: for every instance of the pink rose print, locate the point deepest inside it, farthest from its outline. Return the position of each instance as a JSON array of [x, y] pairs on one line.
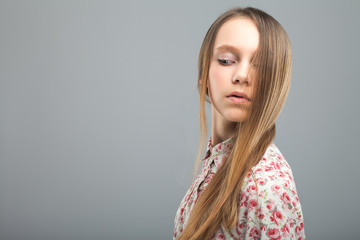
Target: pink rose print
[[253, 203], [281, 174], [275, 165], [268, 168], [286, 198], [276, 217], [244, 200], [299, 229], [252, 190], [218, 148], [228, 147], [286, 231], [285, 228], [244, 197], [254, 233], [276, 188], [245, 213], [220, 236], [261, 215], [273, 234], [241, 225], [261, 181], [270, 205]]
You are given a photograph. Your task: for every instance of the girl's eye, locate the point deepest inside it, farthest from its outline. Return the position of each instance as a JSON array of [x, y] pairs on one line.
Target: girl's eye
[[224, 61]]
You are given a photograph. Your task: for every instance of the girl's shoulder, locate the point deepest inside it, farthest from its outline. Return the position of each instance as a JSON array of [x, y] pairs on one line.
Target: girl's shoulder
[[272, 174], [269, 203], [272, 166]]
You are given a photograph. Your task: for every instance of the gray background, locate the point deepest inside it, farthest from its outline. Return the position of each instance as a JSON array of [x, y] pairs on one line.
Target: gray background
[[99, 114]]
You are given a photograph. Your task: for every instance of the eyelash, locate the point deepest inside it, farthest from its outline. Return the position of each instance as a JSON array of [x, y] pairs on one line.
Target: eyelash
[[221, 61]]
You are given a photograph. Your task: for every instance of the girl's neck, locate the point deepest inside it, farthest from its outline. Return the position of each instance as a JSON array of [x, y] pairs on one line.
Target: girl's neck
[[221, 129]]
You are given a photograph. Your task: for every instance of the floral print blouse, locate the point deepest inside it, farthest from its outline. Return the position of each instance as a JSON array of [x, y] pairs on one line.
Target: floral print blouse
[[273, 212]]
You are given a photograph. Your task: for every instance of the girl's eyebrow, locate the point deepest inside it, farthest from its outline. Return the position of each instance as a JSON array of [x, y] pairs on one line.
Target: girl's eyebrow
[[227, 48]]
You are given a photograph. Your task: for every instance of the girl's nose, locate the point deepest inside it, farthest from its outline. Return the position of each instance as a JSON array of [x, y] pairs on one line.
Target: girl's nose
[[241, 73]]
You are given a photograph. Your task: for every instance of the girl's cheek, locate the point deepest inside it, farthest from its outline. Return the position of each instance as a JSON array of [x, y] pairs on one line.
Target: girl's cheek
[[218, 72]]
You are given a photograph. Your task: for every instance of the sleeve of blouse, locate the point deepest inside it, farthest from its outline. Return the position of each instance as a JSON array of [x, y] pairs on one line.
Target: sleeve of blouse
[[270, 207]]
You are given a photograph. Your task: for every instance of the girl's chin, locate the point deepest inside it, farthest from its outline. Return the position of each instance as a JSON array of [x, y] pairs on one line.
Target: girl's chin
[[237, 118]]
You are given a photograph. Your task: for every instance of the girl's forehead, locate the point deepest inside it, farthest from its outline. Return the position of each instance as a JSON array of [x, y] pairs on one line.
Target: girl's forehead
[[239, 32]]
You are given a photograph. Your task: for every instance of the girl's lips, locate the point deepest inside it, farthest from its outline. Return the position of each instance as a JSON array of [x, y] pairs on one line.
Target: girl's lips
[[238, 100], [238, 94]]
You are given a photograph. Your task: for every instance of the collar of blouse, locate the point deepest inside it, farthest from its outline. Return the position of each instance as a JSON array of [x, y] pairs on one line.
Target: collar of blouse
[[219, 152]]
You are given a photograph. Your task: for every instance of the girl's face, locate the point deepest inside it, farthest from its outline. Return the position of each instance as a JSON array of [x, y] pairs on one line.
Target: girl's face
[[235, 45]]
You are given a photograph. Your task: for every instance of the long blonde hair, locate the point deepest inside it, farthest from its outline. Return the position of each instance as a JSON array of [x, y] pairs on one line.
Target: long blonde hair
[[218, 204]]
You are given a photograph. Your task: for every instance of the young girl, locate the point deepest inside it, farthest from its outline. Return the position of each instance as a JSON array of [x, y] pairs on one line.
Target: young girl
[[245, 189]]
